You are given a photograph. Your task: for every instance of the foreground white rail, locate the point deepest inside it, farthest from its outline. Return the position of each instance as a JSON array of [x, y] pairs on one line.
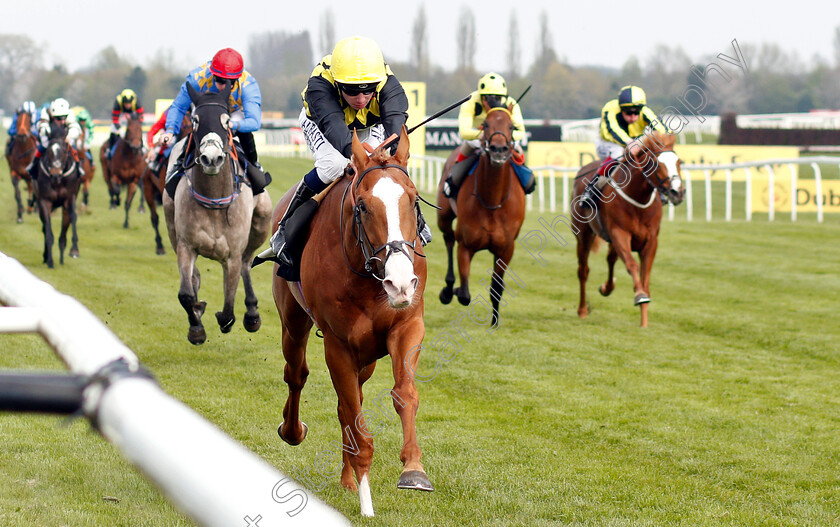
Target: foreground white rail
[[208, 475]]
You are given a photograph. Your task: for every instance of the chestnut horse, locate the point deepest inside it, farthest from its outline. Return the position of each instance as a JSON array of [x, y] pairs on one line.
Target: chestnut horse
[[87, 167], [153, 182], [215, 215], [628, 214], [57, 186], [490, 209], [362, 277], [126, 165], [19, 157]]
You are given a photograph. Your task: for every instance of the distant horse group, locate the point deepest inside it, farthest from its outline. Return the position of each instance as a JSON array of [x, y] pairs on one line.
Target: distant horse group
[[126, 165]]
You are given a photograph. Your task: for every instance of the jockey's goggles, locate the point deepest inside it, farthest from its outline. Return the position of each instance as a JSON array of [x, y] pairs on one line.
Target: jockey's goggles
[[631, 110], [353, 90]]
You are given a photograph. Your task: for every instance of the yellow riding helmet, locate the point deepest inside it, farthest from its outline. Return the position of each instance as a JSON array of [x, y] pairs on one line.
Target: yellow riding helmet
[[492, 84], [127, 95], [631, 96], [357, 60]]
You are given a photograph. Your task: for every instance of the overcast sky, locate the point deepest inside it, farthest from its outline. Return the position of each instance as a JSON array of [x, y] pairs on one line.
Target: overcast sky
[[599, 33]]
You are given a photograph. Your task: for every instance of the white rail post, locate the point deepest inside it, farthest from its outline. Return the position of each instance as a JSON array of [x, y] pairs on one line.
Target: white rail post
[[771, 193], [689, 201], [566, 194], [541, 191], [708, 176], [748, 190], [553, 186], [818, 191], [793, 173], [728, 195]]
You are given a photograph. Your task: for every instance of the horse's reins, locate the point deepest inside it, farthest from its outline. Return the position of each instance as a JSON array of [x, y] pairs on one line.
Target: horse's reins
[[368, 251]]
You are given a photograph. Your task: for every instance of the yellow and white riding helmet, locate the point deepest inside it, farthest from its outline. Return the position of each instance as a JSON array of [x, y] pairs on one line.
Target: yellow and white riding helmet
[[631, 96], [492, 84], [357, 60]]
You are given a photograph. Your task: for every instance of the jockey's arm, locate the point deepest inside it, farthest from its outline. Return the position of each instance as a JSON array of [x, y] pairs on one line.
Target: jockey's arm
[[327, 113], [251, 107], [466, 118], [651, 118], [518, 121], [179, 108], [393, 106]]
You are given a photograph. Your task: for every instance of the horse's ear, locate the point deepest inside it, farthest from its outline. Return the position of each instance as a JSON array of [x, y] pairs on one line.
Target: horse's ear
[[360, 156], [191, 91], [402, 149], [226, 93]]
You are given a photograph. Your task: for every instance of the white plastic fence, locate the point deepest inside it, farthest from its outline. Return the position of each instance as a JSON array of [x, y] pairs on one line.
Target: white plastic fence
[[205, 473], [427, 171]]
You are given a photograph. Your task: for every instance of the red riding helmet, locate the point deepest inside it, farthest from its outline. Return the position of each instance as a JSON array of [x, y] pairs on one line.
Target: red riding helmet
[[227, 64]]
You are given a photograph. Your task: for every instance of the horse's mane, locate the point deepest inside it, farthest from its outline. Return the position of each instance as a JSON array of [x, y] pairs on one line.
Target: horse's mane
[[657, 141], [381, 156]]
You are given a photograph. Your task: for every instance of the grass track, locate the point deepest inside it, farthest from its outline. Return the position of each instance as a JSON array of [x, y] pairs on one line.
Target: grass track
[[723, 412]]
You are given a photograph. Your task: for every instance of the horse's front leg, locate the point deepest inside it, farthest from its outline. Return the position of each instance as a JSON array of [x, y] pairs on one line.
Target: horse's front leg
[[585, 239], [445, 225], [296, 327], [232, 268], [251, 321], [404, 348], [74, 247], [465, 256], [45, 210], [187, 294], [66, 217], [357, 445], [646, 256], [497, 286], [16, 184], [621, 242], [129, 197], [609, 285]]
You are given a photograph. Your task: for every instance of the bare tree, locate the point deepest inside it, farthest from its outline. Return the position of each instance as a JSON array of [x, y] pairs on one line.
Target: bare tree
[[545, 44], [466, 40], [420, 44], [514, 54], [18, 55], [327, 33]]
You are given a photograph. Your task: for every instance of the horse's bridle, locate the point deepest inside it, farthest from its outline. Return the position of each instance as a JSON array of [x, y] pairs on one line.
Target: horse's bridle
[[659, 185], [368, 251], [71, 166], [495, 158]]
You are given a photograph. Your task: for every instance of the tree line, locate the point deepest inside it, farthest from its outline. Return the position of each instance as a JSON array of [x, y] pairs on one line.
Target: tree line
[[777, 81]]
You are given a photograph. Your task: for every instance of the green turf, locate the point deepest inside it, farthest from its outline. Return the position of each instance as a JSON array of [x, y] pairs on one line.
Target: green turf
[[722, 412]]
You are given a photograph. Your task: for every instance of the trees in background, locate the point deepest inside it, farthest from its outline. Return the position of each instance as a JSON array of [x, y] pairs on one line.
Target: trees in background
[[777, 81]]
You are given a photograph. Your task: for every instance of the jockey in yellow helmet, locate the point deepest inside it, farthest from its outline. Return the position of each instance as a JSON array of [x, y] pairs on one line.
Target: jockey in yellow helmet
[[623, 120], [491, 93], [353, 88], [125, 103]]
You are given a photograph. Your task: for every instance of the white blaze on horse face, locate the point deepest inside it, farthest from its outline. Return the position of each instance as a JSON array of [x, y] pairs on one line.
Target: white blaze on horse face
[[400, 281], [211, 153], [669, 161]]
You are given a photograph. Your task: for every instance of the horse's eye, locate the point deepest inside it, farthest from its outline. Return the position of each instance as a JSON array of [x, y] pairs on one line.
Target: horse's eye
[[362, 207]]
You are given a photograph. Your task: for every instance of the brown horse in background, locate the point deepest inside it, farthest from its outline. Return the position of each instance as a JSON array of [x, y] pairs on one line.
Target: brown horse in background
[[87, 167], [362, 277], [628, 215], [490, 209], [153, 183], [19, 157], [126, 165], [57, 186]]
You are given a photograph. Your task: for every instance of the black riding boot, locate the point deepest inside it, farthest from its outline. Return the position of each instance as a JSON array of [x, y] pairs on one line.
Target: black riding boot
[[111, 142], [257, 175], [456, 176], [9, 145], [279, 241], [178, 171], [586, 198]]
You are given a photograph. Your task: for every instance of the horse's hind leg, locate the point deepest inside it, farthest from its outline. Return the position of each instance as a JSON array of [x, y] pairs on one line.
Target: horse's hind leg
[[609, 285], [16, 183], [225, 317], [251, 321], [585, 238], [188, 292]]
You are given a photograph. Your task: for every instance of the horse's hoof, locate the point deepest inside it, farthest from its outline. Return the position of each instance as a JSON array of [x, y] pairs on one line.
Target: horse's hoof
[[641, 298], [74, 254], [603, 291], [197, 335], [494, 320], [20, 220], [160, 251], [415, 480], [446, 295], [225, 324], [463, 299], [252, 323], [291, 441]]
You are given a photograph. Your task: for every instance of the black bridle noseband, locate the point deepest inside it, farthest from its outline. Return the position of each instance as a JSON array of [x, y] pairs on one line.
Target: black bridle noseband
[[369, 252]]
